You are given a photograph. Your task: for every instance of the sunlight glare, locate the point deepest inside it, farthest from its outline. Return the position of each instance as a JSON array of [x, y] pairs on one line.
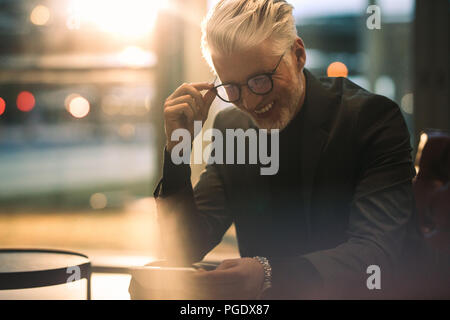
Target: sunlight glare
[[129, 18], [133, 56]]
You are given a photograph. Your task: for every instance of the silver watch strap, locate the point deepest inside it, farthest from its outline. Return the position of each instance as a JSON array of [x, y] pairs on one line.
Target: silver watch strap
[[267, 272]]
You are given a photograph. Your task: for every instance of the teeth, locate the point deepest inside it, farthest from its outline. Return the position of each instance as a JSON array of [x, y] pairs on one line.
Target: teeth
[[265, 109]]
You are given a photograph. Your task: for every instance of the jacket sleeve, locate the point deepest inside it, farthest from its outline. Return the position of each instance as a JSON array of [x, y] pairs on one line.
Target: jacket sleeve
[[381, 211], [192, 220]]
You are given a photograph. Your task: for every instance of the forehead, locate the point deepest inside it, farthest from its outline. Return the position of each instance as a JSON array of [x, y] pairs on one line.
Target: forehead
[[239, 66]]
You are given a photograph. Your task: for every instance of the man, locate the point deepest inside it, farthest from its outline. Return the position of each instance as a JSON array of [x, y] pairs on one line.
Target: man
[[341, 201]]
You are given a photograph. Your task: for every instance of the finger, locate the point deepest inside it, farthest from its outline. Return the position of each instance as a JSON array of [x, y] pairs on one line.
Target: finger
[[226, 264], [178, 100], [208, 98], [174, 113], [202, 85], [186, 99], [186, 87], [198, 98], [229, 276], [193, 90]]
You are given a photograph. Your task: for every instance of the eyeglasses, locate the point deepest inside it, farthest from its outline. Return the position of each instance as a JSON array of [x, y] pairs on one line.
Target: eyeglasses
[[260, 84]]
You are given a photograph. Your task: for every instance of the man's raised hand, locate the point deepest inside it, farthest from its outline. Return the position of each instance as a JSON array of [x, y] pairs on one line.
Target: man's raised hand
[[186, 105]]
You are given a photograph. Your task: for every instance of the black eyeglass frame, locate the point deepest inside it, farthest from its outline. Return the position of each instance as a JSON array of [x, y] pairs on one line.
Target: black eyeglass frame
[[239, 85]]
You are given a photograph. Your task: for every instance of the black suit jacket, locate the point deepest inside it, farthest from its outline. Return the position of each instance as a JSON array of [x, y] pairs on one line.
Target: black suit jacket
[[355, 195]]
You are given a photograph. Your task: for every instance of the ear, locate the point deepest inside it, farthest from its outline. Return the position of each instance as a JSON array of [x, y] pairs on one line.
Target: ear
[[299, 54]]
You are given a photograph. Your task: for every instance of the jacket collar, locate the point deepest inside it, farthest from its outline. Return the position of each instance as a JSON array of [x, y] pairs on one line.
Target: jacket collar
[[320, 101]]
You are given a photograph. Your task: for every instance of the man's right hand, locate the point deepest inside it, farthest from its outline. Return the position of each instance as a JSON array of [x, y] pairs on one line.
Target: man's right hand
[[186, 105]]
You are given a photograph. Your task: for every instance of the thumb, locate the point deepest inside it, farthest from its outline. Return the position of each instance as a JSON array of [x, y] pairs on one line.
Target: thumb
[[227, 264]]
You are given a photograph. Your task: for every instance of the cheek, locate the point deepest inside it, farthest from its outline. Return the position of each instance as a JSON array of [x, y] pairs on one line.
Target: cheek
[[284, 93], [285, 86]]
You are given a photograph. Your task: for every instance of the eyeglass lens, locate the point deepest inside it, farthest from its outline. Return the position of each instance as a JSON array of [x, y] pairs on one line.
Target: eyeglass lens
[[229, 92], [261, 84]]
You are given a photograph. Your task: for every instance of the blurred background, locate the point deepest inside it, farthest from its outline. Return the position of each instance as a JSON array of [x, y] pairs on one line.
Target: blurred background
[[81, 90]]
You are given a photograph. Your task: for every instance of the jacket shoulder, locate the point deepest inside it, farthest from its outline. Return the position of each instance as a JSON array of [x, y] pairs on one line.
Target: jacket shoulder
[[358, 104], [362, 100], [352, 94]]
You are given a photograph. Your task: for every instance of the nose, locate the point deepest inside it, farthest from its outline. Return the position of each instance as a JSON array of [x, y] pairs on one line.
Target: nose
[[249, 100]]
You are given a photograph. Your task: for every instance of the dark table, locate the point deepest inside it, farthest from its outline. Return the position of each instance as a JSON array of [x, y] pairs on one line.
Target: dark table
[[33, 268]]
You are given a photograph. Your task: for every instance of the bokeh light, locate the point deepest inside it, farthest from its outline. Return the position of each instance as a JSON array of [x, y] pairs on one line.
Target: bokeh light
[[98, 201], [407, 103], [68, 99], [2, 106], [77, 106], [25, 101], [337, 69], [40, 15]]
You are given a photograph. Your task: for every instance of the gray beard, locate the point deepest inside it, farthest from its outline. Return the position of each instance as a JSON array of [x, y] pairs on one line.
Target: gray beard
[[285, 117]]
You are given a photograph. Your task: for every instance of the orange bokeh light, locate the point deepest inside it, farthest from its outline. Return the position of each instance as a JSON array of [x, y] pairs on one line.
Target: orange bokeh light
[[2, 106], [337, 69], [25, 101]]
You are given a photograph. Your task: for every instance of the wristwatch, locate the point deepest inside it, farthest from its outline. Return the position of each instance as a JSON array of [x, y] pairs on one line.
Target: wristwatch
[[267, 272]]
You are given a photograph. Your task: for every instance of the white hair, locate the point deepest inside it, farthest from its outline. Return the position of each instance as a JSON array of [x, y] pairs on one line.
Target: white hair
[[238, 25]]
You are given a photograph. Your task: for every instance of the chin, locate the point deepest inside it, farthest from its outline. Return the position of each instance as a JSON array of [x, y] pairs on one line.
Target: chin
[[283, 118]]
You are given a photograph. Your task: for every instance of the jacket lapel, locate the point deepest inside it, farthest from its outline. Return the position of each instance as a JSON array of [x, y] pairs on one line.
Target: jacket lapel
[[312, 146], [318, 102]]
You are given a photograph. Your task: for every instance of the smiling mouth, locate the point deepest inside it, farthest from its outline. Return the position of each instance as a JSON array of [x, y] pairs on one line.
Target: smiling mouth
[[264, 109]]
